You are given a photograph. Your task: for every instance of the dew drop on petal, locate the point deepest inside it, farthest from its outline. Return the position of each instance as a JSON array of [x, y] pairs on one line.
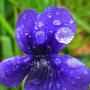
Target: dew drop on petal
[[85, 72], [49, 15], [64, 35], [57, 61], [50, 85], [26, 34], [73, 62], [57, 22], [40, 37], [27, 59], [57, 13], [71, 21], [40, 24], [2, 73]]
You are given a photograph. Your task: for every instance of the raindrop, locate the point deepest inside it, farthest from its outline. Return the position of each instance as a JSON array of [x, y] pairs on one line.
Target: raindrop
[[57, 22], [57, 61], [39, 24], [71, 21], [26, 34], [64, 35], [40, 37], [35, 27], [73, 62], [24, 16], [78, 77], [49, 15], [18, 29], [50, 85], [57, 13], [2, 73], [65, 89], [71, 72], [85, 72], [27, 59]]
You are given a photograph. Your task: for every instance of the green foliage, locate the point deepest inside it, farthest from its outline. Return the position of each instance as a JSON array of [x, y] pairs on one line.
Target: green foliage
[[10, 9]]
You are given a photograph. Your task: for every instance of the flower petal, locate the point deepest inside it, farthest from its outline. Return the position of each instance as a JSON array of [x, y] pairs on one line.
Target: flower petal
[[24, 30], [14, 70], [74, 75], [58, 27]]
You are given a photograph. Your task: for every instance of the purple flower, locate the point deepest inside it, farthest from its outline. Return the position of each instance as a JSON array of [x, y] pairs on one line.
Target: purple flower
[[41, 37]]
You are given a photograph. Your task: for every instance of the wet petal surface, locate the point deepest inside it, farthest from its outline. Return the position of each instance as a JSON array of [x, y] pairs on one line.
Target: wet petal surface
[[14, 70], [24, 30], [59, 27], [74, 75]]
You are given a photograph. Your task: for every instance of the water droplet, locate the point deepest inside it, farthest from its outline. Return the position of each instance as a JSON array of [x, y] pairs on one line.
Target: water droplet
[[22, 26], [57, 22], [49, 15], [29, 36], [85, 72], [27, 59], [58, 85], [50, 85], [64, 35], [18, 29], [40, 37], [24, 16], [65, 89], [2, 74], [77, 77], [71, 72], [35, 27], [26, 34], [71, 21], [57, 13], [51, 31], [40, 24], [73, 62], [57, 61]]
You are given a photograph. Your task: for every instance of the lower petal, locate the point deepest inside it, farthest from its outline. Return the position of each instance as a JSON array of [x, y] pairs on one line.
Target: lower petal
[[43, 78], [73, 74], [14, 70]]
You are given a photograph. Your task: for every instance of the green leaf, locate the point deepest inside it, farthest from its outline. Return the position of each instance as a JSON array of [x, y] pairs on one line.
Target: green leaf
[[6, 47], [6, 25], [3, 87]]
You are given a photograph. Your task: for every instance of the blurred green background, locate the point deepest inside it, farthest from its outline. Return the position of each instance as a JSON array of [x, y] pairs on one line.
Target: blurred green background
[[10, 9]]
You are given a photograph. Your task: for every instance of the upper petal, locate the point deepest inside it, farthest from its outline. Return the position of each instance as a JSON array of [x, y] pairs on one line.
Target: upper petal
[[74, 75], [24, 30], [14, 70], [58, 27]]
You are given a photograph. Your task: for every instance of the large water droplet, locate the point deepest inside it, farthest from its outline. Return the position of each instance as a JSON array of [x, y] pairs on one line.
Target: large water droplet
[[57, 22], [64, 35], [40, 37], [73, 62]]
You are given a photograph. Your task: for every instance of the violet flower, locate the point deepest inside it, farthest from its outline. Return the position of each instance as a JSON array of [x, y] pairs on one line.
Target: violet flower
[[41, 37]]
